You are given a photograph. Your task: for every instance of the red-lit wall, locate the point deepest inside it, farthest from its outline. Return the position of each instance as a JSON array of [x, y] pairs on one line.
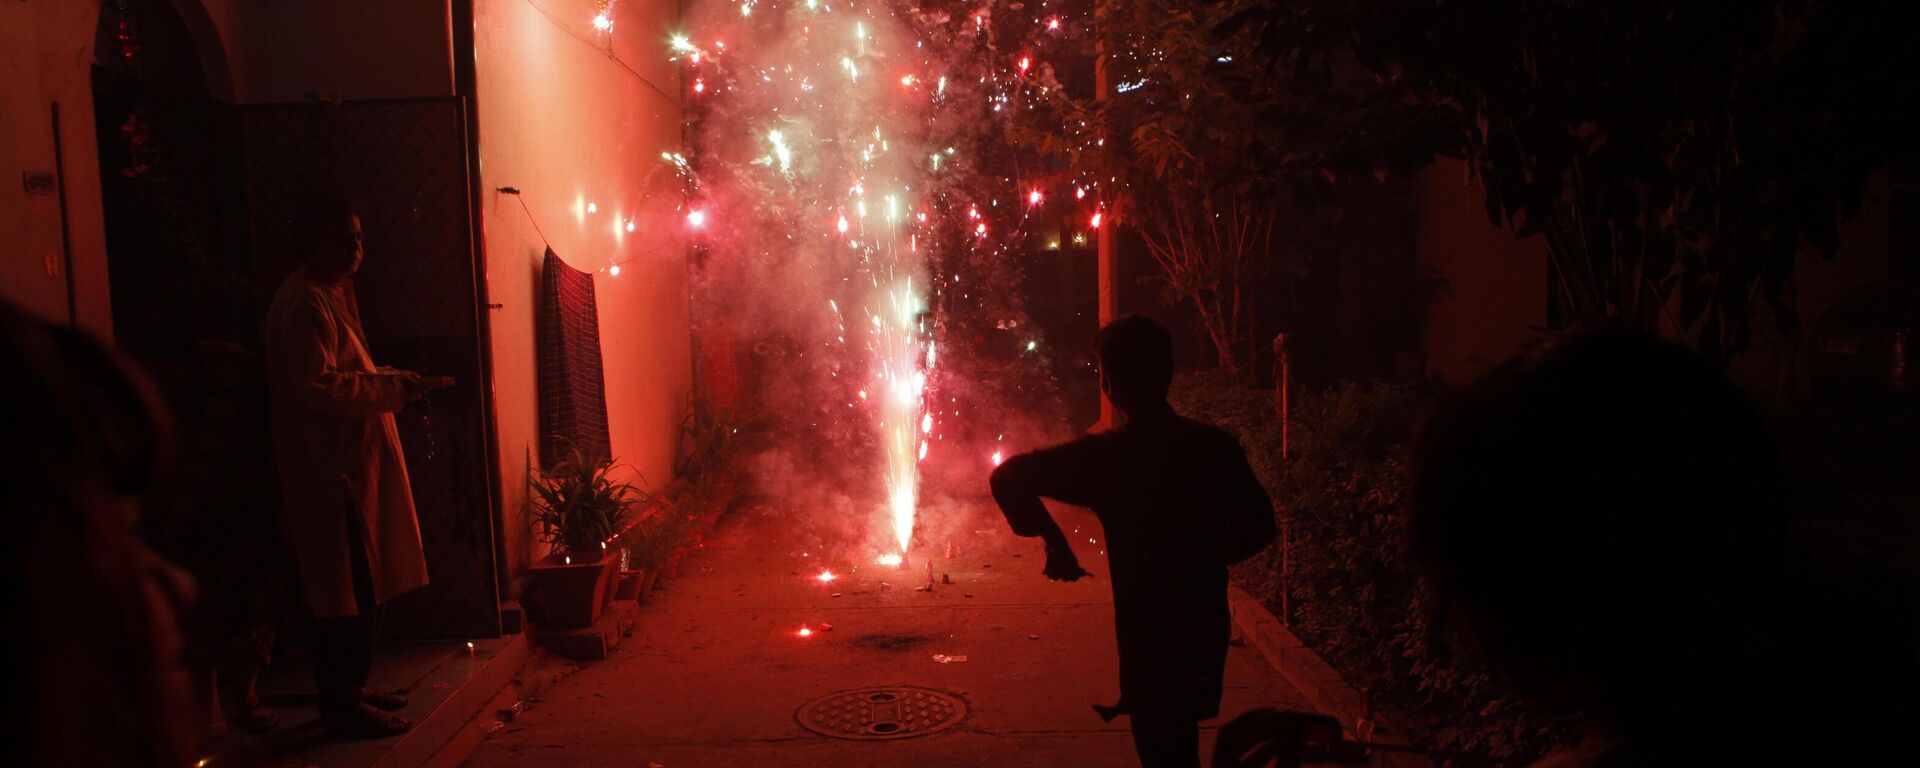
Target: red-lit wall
[[568, 126]]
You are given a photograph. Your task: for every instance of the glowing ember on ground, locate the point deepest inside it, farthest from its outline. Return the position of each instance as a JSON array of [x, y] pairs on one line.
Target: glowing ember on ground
[[826, 576], [805, 632]]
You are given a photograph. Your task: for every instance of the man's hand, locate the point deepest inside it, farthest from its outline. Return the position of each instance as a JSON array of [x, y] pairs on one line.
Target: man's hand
[[1062, 565], [418, 386]]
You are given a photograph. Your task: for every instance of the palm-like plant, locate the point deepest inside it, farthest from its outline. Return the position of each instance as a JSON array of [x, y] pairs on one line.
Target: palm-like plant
[[577, 506]]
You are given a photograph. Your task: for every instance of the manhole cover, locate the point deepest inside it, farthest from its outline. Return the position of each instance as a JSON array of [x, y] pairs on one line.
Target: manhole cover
[[882, 713]]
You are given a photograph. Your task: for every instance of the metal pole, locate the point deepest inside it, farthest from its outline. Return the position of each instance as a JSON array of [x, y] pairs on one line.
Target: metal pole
[[1109, 273], [1283, 407], [66, 227]]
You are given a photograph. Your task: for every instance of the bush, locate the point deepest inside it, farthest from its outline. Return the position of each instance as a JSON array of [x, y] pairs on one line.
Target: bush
[[1355, 596]]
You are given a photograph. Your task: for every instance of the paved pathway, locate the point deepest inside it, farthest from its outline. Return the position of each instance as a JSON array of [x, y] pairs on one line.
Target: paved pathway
[[717, 669]]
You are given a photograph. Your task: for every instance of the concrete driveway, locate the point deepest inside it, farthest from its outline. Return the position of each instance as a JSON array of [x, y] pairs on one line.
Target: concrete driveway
[[718, 669]]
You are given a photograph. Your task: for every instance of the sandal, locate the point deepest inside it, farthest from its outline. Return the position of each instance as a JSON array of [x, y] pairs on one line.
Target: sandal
[[367, 723], [383, 700]]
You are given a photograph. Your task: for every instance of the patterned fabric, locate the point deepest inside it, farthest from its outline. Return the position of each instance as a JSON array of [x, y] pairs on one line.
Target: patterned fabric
[[573, 391]]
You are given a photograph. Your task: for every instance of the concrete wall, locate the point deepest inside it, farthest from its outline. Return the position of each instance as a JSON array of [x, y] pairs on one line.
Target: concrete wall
[[568, 125], [1496, 286], [282, 50], [46, 52], [253, 52]]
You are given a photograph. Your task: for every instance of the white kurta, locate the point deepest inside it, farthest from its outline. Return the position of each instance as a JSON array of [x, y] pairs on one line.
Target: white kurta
[[337, 447]]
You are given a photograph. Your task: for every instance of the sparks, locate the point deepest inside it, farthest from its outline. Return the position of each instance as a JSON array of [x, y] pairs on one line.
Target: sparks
[[825, 577], [782, 154], [1095, 221], [1034, 197], [696, 218], [891, 560], [603, 21], [805, 632]]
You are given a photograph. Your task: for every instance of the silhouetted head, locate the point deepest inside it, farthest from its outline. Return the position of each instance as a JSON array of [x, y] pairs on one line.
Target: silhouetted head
[[97, 646], [327, 237], [1605, 522], [1136, 363]]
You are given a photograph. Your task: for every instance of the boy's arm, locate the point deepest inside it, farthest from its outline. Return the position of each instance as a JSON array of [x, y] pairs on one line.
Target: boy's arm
[[1064, 472], [1250, 526]]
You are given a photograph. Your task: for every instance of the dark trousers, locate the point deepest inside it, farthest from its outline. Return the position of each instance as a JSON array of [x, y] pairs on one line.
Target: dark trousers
[[1166, 742], [343, 647]]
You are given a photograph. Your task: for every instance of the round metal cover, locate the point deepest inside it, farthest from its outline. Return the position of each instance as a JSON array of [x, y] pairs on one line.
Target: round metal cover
[[900, 712]]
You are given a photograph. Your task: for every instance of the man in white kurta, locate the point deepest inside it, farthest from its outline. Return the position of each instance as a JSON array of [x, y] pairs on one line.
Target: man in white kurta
[[343, 477]]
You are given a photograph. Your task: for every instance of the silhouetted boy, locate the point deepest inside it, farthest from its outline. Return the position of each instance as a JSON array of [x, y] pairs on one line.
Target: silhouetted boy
[[1179, 504]]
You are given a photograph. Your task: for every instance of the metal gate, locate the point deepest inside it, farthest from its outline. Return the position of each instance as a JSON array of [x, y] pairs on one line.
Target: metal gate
[[405, 162]]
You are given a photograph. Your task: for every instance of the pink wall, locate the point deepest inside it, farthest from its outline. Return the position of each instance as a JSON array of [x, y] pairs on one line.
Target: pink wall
[[568, 125], [253, 51], [1496, 286], [46, 55], [354, 49]]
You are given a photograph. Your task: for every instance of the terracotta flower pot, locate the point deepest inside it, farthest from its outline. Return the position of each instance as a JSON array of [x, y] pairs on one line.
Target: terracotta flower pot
[[563, 595]]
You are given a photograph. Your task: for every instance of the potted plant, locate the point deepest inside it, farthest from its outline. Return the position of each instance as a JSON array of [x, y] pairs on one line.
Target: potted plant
[[575, 508], [655, 545]]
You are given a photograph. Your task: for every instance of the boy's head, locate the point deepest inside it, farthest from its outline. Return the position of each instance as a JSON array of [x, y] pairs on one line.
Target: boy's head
[[1136, 362], [327, 236]]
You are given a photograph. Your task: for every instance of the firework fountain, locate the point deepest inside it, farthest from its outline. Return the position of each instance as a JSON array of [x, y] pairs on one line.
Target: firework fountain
[[830, 156]]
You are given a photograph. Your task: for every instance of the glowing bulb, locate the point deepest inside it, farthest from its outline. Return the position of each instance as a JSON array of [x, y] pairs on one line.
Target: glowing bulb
[[696, 218]]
